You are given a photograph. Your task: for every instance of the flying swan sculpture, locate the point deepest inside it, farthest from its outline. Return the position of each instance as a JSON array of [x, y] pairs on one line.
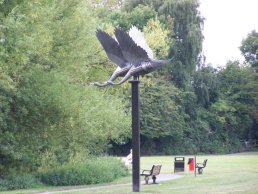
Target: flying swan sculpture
[[130, 52]]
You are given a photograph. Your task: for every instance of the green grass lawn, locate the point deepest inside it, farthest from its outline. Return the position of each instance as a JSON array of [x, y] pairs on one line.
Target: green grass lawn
[[233, 173]]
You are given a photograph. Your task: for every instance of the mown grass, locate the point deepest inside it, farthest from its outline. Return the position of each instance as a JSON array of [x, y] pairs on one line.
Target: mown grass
[[233, 173]]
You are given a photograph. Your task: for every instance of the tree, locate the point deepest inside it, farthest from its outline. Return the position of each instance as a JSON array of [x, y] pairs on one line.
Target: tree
[[233, 114], [249, 49], [158, 38], [206, 85], [138, 17], [47, 55], [160, 113], [187, 26]]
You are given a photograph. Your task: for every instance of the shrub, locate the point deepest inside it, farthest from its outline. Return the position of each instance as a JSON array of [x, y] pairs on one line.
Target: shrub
[[18, 182], [90, 171]]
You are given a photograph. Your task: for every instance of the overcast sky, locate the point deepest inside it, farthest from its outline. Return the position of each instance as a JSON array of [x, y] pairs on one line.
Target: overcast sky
[[226, 23]]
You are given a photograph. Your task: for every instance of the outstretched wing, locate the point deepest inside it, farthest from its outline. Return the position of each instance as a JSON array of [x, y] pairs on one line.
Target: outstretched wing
[[138, 38], [131, 51], [111, 47]]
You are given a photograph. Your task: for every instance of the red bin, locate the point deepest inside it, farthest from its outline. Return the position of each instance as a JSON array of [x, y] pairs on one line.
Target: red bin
[[191, 164]]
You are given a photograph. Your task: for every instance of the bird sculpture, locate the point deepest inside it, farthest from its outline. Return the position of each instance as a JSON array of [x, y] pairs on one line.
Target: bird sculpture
[[130, 52]]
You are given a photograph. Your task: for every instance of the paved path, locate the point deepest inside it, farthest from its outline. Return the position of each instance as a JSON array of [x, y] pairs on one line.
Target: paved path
[[160, 178]]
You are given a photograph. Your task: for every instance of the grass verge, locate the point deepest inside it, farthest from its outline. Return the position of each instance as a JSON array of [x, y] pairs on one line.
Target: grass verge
[[233, 173]]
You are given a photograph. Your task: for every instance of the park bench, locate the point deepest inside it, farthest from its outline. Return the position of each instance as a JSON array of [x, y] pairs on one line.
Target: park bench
[[201, 166], [155, 170]]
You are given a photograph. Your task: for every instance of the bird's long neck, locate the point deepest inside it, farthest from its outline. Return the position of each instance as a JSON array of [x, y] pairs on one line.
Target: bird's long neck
[[159, 63], [162, 62]]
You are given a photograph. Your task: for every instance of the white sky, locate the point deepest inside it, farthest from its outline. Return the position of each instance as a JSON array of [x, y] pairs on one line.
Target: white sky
[[227, 23]]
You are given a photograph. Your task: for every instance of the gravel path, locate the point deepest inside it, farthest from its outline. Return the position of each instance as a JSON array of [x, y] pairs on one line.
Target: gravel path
[[160, 178]]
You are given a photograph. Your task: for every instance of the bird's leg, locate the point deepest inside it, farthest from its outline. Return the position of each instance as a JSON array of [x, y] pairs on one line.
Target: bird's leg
[[101, 84], [118, 72], [133, 70]]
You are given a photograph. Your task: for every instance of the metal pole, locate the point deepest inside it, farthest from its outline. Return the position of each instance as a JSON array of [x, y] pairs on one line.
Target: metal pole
[[195, 165], [136, 133]]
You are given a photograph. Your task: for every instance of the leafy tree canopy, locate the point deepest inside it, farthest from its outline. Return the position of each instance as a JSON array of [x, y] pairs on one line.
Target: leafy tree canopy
[[249, 49]]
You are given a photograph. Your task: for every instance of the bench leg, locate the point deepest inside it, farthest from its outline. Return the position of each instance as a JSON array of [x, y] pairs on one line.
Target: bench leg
[[199, 170], [146, 179], [154, 179]]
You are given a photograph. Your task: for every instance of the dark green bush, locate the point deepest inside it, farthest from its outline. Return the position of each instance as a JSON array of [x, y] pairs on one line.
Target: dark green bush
[[92, 171], [18, 182]]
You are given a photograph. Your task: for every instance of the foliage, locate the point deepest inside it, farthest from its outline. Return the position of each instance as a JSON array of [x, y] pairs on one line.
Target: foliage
[[46, 57], [138, 17], [19, 182], [93, 171], [206, 85], [187, 26], [249, 49], [65, 111], [159, 110], [157, 37], [239, 86]]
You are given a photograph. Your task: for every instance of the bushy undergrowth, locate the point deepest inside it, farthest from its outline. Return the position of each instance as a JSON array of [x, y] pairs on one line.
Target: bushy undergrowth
[[18, 182], [90, 171]]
